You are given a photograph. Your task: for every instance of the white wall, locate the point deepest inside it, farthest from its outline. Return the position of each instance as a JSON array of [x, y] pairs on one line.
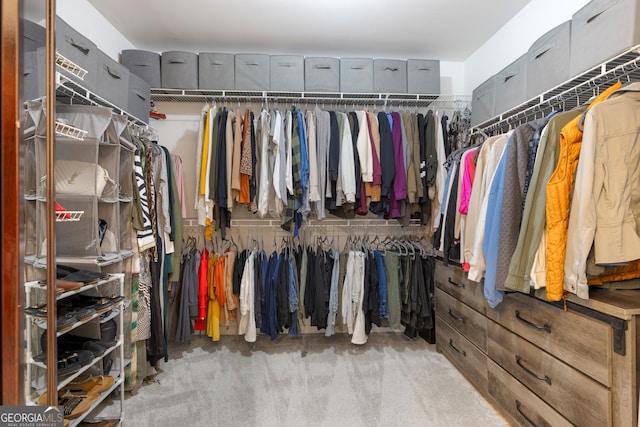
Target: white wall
[[515, 37], [452, 78], [86, 19]]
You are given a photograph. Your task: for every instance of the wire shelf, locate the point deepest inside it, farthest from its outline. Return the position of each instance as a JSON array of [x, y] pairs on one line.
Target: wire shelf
[[70, 131], [68, 216], [570, 94], [318, 98], [70, 66]]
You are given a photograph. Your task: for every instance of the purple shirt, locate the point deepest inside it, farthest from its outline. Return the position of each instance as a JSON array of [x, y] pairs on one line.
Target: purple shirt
[[400, 179]]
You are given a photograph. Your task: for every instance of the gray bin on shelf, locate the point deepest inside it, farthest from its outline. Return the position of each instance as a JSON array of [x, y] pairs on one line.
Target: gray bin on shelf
[[179, 70], [113, 81], [143, 64], [511, 85], [34, 36], [602, 29], [548, 60], [216, 71], [389, 76], [423, 76], [252, 71], [321, 74], [139, 98], [483, 101], [286, 73], [78, 49], [356, 75]]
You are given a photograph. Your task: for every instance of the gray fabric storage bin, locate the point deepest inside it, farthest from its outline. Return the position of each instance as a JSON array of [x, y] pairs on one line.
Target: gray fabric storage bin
[[252, 71], [179, 70], [483, 101], [113, 81], [548, 60], [321, 74], [602, 29], [423, 76], [79, 50], [511, 85], [216, 71], [139, 98], [34, 36], [31, 85], [356, 75], [143, 64], [389, 76], [286, 72]]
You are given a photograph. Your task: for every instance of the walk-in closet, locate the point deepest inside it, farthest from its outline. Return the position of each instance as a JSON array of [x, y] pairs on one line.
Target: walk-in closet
[[360, 213]]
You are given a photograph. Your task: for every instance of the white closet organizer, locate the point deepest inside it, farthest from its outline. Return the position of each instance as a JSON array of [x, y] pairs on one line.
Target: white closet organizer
[[313, 98], [625, 68], [101, 142], [90, 327]]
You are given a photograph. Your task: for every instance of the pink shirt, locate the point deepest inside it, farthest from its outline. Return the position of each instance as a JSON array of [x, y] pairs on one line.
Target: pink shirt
[[467, 179]]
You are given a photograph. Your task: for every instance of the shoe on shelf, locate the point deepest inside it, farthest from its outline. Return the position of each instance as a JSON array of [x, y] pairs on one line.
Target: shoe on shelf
[[98, 384]]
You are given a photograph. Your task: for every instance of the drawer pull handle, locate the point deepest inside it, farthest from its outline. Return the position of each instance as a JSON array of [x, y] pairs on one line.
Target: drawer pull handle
[[458, 318], [457, 285], [519, 409], [544, 327], [462, 352], [546, 379]]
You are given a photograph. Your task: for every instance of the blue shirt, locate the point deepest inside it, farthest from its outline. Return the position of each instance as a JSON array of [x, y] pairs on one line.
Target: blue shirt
[[492, 233], [293, 299]]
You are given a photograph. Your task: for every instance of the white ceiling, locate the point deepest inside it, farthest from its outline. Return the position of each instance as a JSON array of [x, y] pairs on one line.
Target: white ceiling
[[449, 30]]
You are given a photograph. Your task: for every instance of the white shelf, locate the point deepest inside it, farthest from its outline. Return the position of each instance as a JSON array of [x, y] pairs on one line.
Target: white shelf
[[68, 216], [570, 94], [328, 98]]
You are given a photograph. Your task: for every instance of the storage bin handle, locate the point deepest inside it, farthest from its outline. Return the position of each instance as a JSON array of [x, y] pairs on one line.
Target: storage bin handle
[[322, 67], [457, 285], [510, 76], [546, 48], [216, 63], [424, 69], [176, 61], [140, 65], [140, 95], [28, 71], [519, 409], [602, 10], [85, 50], [113, 73], [286, 65], [253, 64], [394, 69]]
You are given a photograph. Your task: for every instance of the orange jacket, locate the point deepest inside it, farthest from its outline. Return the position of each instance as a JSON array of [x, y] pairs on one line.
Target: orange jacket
[[559, 190]]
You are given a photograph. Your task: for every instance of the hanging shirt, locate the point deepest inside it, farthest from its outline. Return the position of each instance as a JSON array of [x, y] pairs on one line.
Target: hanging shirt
[[314, 193], [322, 140], [264, 179], [347, 187]]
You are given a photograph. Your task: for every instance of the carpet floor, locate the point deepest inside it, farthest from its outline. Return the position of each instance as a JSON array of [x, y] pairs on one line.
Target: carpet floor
[[310, 380]]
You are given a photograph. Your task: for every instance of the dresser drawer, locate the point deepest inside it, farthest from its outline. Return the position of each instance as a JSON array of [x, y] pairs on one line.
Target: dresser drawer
[[576, 396], [453, 281], [519, 402], [577, 340], [465, 320], [462, 353]]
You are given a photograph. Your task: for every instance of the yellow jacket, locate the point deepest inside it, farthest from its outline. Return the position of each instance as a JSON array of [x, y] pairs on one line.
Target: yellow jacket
[[559, 190]]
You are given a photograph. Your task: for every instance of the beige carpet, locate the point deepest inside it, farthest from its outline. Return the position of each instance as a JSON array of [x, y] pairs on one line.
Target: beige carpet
[[309, 381]]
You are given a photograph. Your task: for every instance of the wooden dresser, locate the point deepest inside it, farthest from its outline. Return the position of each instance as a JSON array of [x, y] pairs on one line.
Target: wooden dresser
[[537, 363]]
